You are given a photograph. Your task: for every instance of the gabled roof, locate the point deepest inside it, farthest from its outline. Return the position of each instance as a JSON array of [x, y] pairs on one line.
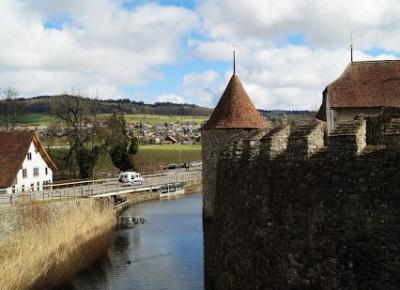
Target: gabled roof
[[235, 110], [13, 148], [367, 84]]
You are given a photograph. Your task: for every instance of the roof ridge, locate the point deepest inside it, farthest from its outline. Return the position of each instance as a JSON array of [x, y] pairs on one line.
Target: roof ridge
[[375, 61]]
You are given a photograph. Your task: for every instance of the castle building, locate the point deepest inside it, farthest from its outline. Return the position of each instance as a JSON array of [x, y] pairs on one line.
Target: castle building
[[364, 88], [300, 207], [234, 114]]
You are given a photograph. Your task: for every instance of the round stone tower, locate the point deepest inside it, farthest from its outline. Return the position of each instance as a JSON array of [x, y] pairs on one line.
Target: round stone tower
[[234, 113]]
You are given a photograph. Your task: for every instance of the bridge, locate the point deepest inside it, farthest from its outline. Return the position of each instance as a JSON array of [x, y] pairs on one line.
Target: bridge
[[98, 188]]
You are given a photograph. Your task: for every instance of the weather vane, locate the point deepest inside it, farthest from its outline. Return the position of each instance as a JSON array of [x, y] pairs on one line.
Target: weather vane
[[351, 47], [234, 59]]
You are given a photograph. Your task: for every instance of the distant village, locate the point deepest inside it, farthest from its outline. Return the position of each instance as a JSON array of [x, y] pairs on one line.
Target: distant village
[[187, 134], [146, 133]]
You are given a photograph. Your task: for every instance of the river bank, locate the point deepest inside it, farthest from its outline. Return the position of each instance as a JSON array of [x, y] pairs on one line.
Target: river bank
[[139, 197], [45, 245], [166, 252]]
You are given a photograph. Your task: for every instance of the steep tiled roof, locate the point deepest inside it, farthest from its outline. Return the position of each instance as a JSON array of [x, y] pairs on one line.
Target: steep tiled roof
[[367, 84], [13, 148], [235, 110], [321, 114]]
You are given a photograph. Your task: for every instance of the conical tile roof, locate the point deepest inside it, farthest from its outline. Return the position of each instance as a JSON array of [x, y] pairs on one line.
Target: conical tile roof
[[235, 110]]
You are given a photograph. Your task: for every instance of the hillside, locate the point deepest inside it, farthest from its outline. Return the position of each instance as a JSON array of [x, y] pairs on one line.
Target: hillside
[[45, 105], [39, 110]]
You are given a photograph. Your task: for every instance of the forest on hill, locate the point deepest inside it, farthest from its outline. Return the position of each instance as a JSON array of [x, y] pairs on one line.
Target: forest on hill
[[40, 110], [45, 104]]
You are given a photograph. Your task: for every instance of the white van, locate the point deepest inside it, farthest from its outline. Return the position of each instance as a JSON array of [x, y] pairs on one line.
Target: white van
[[132, 177]]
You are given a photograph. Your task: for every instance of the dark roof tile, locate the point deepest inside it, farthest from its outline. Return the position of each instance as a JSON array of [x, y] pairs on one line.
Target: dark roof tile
[[367, 84], [13, 148]]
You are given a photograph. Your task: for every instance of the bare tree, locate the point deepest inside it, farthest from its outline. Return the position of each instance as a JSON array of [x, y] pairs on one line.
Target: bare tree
[[79, 128], [12, 95], [9, 108]]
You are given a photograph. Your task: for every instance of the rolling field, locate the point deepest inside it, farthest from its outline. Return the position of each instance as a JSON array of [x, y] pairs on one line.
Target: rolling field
[[164, 154], [160, 119], [45, 119], [152, 158], [34, 118]]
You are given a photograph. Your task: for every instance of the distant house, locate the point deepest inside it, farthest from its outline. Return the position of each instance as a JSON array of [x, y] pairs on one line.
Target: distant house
[[364, 88], [24, 163]]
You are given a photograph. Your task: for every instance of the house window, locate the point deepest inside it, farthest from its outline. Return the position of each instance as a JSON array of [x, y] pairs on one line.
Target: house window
[[23, 188], [13, 189], [38, 186], [36, 171], [46, 170], [29, 155], [24, 173]]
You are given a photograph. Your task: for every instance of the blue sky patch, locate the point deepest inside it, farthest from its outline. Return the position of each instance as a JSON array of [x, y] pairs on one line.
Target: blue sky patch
[[296, 39], [57, 21], [173, 77], [132, 4]]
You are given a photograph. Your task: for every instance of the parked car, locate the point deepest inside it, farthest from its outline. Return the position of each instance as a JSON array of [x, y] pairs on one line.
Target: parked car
[[196, 164], [171, 166], [131, 177]]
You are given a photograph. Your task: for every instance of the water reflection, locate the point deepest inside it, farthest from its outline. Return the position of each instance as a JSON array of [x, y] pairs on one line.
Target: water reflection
[[166, 252]]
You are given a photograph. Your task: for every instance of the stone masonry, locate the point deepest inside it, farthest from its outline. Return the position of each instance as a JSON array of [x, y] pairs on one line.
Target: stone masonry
[[295, 208]]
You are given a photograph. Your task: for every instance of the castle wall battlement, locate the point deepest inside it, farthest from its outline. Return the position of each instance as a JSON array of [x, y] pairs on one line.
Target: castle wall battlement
[[295, 208], [286, 142]]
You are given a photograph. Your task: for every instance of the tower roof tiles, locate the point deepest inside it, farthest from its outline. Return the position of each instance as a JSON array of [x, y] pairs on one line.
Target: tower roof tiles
[[235, 110]]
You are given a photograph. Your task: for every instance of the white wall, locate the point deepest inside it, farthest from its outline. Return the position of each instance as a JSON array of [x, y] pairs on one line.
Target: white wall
[[36, 162], [337, 115]]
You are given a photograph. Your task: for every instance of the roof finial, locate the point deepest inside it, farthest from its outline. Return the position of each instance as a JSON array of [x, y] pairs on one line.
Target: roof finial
[[351, 47], [234, 60]]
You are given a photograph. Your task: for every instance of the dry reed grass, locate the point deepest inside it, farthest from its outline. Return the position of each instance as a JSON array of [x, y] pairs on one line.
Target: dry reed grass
[[50, 249]]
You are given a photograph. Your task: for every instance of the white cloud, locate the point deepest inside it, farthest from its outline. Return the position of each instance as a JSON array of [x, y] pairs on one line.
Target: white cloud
[[324, 23], [278, 75], [290, 77], [202, 88], [171, 98], [104, 49], [212, 50]]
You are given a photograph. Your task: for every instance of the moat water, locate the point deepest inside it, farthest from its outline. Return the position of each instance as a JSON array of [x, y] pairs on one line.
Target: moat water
[[166, 252]]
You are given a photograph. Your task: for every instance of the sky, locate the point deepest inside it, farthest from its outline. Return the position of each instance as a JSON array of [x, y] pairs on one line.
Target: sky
[[181, 51]]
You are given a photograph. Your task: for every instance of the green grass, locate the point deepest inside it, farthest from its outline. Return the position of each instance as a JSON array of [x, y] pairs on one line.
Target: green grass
[[161, 119], [149, 159], [45, 119], [33, 118], [164, 154], [170, 147]]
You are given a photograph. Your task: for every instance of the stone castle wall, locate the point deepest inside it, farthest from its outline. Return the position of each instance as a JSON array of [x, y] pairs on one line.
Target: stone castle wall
[[212, 143], [296, 209]]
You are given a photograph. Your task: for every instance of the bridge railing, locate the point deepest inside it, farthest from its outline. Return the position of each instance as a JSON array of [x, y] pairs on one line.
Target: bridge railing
[[89, 188]]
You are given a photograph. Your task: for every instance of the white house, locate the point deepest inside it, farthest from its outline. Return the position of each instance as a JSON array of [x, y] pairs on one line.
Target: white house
[[24, 163]]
